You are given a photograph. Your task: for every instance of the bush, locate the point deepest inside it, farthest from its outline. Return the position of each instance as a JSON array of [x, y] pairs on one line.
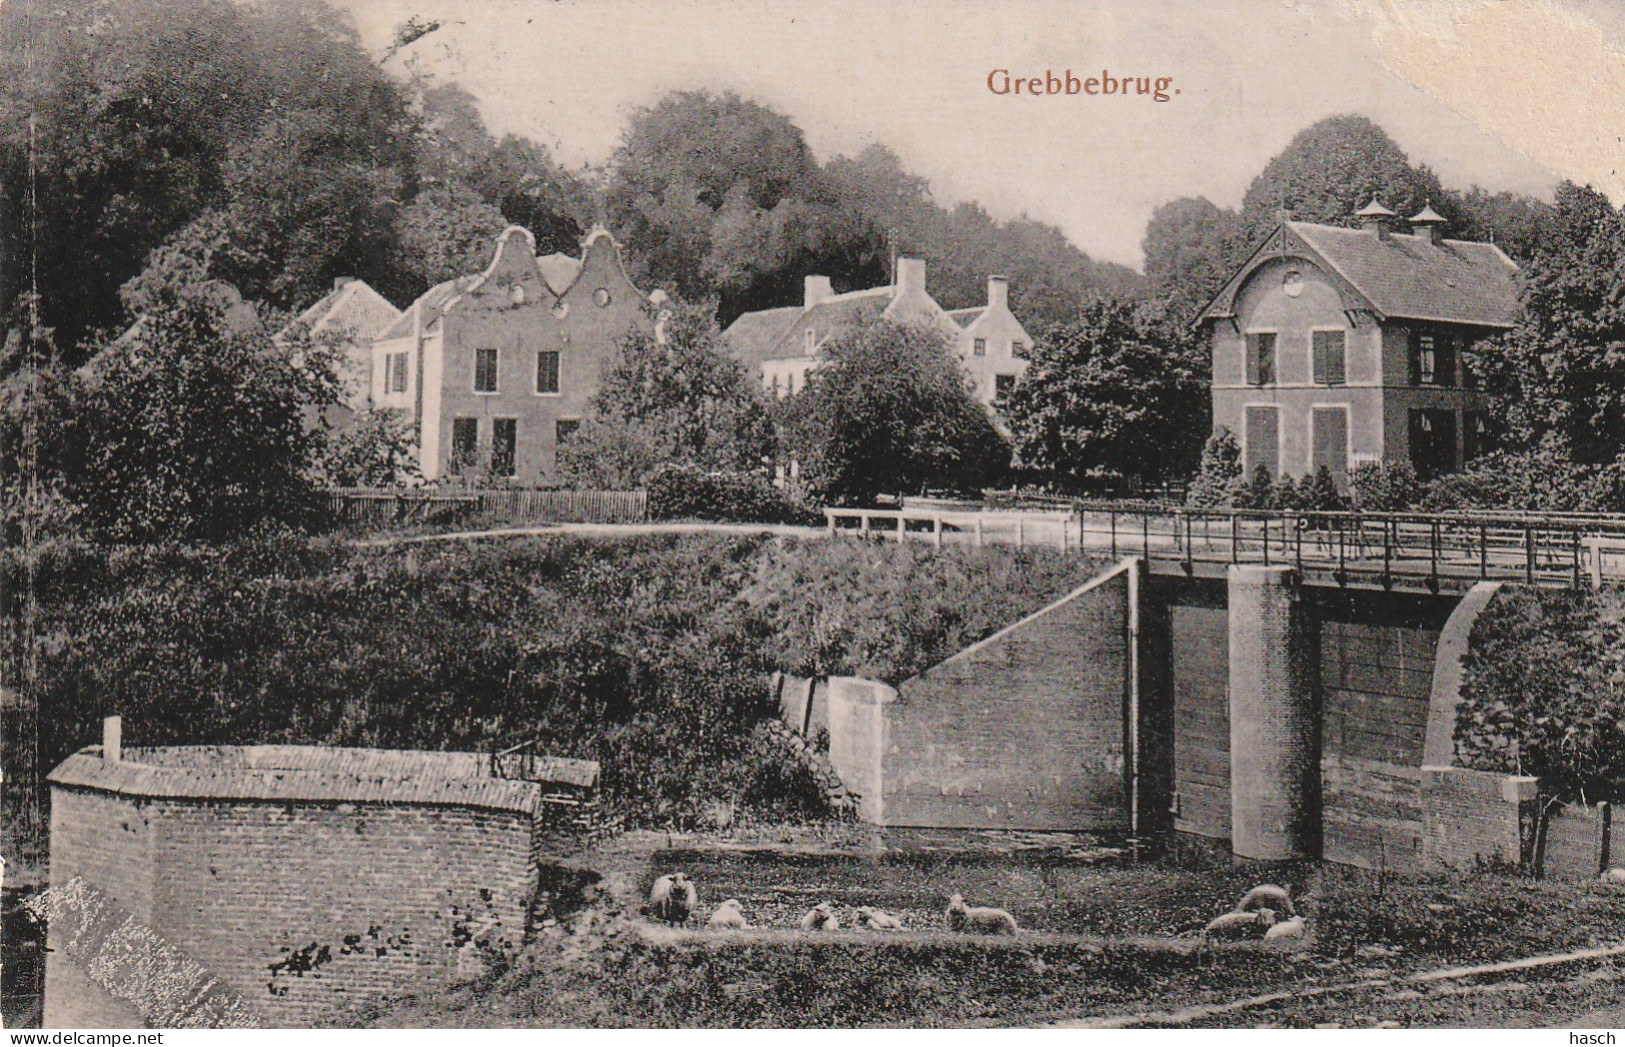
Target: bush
[[1543, 479], [1385, 487], [1544, 692], [1220, 475], [678, 492]]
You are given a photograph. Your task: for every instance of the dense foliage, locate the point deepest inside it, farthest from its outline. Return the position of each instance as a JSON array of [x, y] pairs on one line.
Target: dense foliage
[[672, 396], [1101, 400], [1545, 691], [682, 492], [890, 412]]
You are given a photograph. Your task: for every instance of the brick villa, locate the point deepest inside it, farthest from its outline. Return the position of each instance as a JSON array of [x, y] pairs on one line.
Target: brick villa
[[1336, 346]]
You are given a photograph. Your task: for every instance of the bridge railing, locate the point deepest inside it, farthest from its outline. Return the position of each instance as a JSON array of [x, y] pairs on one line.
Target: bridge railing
[[1433, 548], [1535, 548]]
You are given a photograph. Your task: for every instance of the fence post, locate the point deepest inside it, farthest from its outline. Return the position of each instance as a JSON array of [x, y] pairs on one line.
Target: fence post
[[1604, 841], [1483, 551], [978, 530], [1114, 532], [1020, 535], [1529, 555], [1190, 566], [936, 530], [1235, 537], [1145, 536], [1574, 542], [1433, 556]]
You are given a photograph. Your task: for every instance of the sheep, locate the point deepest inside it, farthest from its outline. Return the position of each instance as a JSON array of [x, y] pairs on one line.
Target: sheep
[[878, 920], [1267, 896], [821, 918], [729, 916], [962, 917], [1292, 928], [1236, 926], [1614, 875], [672, 898]]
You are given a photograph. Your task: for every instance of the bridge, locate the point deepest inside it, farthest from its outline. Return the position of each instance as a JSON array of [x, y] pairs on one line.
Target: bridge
[[1420, 552]]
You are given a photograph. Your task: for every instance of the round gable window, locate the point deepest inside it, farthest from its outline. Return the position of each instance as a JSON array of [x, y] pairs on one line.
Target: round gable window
[[560, 310], [1292, 283], [601, 296]]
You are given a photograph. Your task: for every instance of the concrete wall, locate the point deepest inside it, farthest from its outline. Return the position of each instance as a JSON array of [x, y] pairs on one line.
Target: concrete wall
[[298, 907], [1025, 730]]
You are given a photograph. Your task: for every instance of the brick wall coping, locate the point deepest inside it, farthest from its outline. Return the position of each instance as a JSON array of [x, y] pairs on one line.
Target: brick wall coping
[[309, 774]]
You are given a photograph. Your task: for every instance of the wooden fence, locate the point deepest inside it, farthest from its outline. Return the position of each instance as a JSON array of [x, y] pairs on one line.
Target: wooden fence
[[402, 504]]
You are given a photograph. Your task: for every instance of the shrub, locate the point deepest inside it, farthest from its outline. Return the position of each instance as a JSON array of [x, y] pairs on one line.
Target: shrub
[[1384, 487], [1220, 475], [678, 492], [1544, 692]]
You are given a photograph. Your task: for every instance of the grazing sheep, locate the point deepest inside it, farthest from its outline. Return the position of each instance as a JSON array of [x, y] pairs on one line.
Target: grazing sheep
[[672, 898], [1267, 896], [878, 920], [821, 918], [978, 919], [1239, 926], [1293, 928], [729, 916], [1614, 875]]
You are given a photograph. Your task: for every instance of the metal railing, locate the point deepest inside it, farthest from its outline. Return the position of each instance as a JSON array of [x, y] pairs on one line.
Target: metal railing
[[1429, 550]]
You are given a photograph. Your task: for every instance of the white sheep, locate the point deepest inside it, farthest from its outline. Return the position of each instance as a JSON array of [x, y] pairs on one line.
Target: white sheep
[[821, 918], [1267, 896], [1237, 926], [672, 898], [729, 916], [1614, 875], [1293, 928], [878, 920], [979, 919]]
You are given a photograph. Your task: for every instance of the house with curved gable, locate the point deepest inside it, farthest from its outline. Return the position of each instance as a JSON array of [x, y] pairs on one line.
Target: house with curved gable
[[496, 368], [1335, 346]]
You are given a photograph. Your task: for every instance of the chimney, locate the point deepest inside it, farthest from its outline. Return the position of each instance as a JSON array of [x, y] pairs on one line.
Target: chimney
[[910, 276], [342, 281], [814, 290], [998, 292], [1374, 218], [1428, 224], [112, 738]]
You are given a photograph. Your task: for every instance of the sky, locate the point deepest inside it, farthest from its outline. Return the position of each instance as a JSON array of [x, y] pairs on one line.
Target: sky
[[1505, 94]]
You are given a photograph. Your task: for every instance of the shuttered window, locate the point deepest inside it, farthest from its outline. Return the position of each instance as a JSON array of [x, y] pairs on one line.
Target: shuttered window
[[1330, 356], [1261, 359], [1263, 439]]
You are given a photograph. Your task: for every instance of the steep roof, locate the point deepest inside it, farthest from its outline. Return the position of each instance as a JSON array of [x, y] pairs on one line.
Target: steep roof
[[430, 305], [966, 317], [1400, 276], [559, 270], [828, 318], [753, 335], [353, 307]]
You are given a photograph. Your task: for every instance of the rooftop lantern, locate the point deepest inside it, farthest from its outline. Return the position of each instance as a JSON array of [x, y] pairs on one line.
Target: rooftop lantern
[[1374, 218], [1428, 224]]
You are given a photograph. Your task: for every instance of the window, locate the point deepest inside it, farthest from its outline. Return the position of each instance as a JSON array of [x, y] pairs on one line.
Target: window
[[1261, 437], [775, 386], [1018, 350], [601, 296], [1433, 441], [1261, 358], [395, 371], [465, 443], [810, 341], [1433, 358], [1002, 385], [565, 428], [1329, 357], [485, 370], [504, 435], [979, 347], [1475, 435], [547, 372]]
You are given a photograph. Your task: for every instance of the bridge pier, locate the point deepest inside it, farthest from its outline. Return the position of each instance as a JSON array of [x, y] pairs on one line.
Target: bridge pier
[[1274, 723]]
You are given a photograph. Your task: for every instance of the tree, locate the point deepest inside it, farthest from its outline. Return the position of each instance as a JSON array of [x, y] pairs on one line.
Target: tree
[[121, 122], [1515, 223], [890, 412], [1191, 248], [1334, 167], [446, 231], [193, 424], [1100, 402], [715, 193], [671, 396], [1561, 372], [1220, 474], [375, 449]]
